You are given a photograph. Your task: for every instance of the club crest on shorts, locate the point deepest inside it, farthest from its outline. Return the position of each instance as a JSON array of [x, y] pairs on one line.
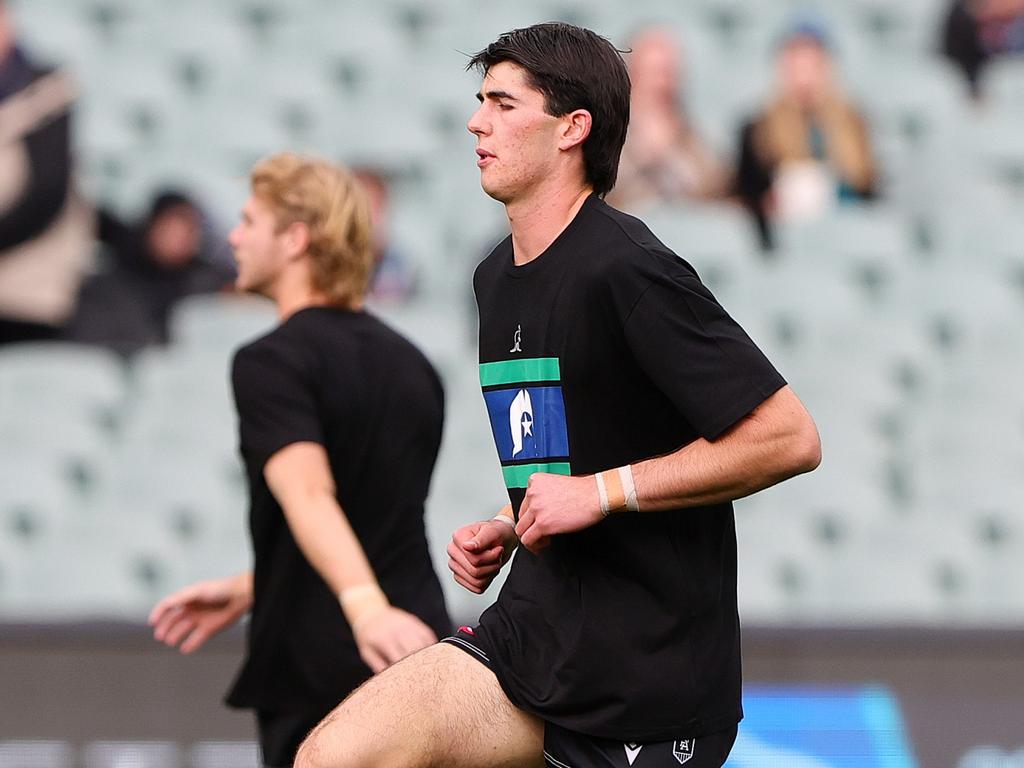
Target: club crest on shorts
[[682, 749]]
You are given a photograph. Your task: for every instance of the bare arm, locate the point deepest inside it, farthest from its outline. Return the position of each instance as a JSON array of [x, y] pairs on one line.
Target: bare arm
[[299, 476], [189, 617], [478, 551], [774, 442]]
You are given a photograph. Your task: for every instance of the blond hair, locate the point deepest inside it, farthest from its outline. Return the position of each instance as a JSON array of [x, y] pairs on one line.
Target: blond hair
[[333, 206]]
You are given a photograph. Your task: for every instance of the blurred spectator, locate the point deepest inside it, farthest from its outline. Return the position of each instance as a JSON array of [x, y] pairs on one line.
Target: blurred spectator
[[975, 31], [394, 278], [45, 230], [153, 265], [663, 160], [809, 148]]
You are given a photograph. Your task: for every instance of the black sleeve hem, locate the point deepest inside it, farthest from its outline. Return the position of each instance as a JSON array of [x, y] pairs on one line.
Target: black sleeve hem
[[261, 458], [742, 409]]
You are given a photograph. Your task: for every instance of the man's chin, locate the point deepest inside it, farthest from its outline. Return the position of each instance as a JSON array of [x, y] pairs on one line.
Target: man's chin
[[494, 193], [243, 286]]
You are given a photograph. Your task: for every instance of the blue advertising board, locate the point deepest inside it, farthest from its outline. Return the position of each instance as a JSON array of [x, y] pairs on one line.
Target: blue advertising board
[[821, 727]]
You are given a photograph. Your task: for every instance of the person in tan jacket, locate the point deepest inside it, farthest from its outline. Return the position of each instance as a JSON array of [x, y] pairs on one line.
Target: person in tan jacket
[[809, 148], [45, 229]]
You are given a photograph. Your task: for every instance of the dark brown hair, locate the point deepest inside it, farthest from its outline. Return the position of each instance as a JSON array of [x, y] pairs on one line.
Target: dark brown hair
[[575, 69]]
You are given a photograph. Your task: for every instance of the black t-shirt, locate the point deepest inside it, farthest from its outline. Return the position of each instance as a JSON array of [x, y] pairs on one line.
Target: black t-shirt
[[348, 382], [606, 350]]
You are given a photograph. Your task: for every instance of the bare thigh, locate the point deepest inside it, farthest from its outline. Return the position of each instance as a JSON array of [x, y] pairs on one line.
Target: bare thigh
[[438, 707]]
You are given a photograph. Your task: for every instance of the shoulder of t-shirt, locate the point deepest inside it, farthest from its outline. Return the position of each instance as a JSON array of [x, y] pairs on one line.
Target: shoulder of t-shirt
[[631, 252], [495, 260], [273, 350], [399, 340]]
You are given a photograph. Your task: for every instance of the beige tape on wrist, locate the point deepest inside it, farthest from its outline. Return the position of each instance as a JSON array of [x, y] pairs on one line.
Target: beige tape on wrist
[[617, 491], [361, 602]]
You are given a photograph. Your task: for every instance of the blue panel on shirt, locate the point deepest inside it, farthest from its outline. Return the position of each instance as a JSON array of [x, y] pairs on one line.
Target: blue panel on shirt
[[528, 423]]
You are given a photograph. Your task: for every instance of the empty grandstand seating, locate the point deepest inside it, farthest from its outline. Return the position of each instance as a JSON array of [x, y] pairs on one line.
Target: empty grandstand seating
[[901, 324]]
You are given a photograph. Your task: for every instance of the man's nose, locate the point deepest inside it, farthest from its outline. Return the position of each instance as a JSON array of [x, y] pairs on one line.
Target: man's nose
[[476, 124]]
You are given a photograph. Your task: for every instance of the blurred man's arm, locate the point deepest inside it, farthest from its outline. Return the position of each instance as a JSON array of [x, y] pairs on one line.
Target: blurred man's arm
[[189, 617], [299, 476]]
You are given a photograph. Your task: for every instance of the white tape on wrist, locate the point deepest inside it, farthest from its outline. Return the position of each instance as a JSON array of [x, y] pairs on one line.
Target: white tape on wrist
[[602, 493], [505, 519]]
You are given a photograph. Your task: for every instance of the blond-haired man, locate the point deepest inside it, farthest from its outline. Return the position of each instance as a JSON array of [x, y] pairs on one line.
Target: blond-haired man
[[340, 423]]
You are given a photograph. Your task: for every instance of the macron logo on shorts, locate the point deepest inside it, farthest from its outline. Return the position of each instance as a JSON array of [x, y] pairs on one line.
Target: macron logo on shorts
[[632, 750]]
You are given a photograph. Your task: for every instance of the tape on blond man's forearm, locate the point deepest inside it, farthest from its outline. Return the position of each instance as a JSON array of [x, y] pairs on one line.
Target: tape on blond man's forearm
[[617, 490], [361, 602]]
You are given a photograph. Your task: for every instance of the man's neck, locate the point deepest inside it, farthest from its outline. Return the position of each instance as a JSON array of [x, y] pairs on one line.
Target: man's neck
[[294, 293], [538, 220]]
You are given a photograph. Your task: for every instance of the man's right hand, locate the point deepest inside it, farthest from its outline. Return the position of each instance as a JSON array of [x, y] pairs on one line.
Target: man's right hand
[[193, 615], [478, 551], [389, 635]]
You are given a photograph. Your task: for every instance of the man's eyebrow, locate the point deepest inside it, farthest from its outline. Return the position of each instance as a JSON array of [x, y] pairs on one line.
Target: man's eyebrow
[[496, 95]]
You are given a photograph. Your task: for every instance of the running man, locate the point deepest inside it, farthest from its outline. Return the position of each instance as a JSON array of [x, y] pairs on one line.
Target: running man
[[629, 410], [340, 423]]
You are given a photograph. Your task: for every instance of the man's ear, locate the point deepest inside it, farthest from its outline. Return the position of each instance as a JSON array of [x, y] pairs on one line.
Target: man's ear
[[575, 128], [296, 239]]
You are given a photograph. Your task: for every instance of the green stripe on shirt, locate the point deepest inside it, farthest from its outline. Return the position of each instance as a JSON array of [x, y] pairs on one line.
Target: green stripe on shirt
[[523, 371], [519, 476]]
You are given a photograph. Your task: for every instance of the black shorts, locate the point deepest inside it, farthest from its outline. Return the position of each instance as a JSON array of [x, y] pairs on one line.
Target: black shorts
[[280, 735], [568, 749]]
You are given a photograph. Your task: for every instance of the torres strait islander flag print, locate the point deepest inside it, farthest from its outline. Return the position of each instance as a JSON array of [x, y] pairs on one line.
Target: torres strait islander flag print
[[527, 413]]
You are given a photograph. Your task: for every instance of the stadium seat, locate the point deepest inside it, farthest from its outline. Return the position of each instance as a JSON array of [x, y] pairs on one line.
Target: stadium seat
[[777, 565], [717, 239], [850, 230], [218, 323], [996, 143], [60, 410], [898, 28], [1003, 84], [61, 381]]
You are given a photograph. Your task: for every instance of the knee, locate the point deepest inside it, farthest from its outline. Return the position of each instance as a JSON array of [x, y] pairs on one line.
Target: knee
[[309, 754], [315, 752], [333, 748]]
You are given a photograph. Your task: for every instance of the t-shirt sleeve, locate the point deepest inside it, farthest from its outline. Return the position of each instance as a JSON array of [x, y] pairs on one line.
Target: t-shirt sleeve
[[276, 403], [697, 355]]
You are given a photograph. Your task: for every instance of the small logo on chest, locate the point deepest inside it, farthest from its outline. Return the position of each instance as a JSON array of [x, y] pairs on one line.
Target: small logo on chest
[[517, 340]]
